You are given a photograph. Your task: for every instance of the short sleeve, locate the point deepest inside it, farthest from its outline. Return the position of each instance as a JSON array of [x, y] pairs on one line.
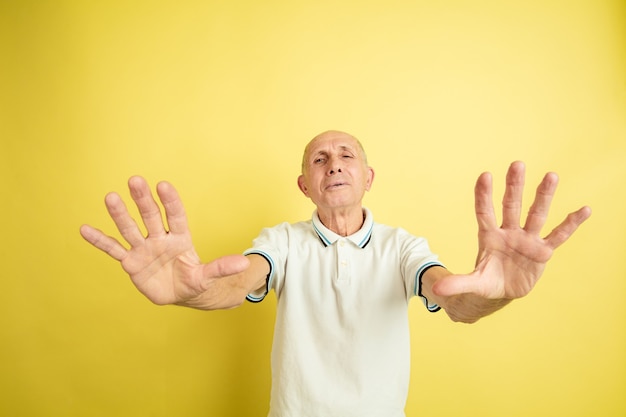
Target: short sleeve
[[416, 259], [272, 244]]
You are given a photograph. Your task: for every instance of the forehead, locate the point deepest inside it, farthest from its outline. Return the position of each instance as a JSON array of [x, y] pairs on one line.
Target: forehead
[[336, 141]]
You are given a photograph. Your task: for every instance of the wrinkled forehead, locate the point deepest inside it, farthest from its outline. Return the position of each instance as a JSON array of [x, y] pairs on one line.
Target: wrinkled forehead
[[332, 140]]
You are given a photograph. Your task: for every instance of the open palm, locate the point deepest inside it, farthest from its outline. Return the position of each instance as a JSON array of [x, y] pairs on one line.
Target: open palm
[[511, 258], [163, 265]]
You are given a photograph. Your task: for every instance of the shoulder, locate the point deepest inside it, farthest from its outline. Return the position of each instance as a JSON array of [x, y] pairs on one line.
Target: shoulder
[[392, 231], [398, 237]]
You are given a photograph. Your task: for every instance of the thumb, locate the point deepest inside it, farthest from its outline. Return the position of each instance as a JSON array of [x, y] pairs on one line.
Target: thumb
[[225, 266], [452, 285]]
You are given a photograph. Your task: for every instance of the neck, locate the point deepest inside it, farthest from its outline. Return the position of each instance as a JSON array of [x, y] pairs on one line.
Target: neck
[[342, 222]]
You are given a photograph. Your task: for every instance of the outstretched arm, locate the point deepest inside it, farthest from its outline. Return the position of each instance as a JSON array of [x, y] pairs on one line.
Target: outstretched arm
[[510, 258], [164, 265]]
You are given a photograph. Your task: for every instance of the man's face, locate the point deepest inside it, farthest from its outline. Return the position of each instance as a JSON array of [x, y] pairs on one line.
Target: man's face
[[335, 174]]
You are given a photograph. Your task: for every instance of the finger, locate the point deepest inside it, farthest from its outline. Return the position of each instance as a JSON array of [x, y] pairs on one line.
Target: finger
[[512, 201], [174, 209], [483, 203], [148, 207], [103, 242], [225, 266], [538, 212], [124, 222], [564, 230]]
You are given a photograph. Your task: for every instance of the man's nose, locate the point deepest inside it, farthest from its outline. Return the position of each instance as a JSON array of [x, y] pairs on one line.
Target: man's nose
[[335, 166]]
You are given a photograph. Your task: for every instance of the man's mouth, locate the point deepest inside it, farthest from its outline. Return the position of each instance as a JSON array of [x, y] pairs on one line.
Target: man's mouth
[[335, 185]]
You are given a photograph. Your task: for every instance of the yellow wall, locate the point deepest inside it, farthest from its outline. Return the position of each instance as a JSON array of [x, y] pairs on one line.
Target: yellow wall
[[219, 97]]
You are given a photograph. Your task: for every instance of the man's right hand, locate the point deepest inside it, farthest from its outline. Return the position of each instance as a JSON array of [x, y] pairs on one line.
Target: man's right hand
[[164, 265]]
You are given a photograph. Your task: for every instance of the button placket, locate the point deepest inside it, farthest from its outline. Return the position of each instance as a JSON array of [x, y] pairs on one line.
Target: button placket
[[343, 261]]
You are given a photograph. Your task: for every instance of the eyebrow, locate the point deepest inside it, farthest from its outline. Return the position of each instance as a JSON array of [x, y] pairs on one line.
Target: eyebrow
[[347, 148], [342, 148]]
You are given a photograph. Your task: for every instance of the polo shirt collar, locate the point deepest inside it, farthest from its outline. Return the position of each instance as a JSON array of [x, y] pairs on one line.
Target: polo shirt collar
[[361, 238]]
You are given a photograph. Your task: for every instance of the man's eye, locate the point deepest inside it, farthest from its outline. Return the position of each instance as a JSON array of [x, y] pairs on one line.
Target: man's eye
[[348, 156], [319, 160]]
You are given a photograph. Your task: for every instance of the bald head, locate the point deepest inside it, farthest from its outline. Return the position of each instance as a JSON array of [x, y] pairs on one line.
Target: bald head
[[330, 135]]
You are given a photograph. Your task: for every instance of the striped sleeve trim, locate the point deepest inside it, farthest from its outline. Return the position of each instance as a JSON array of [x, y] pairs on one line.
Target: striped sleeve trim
[[418, 285], [257, 298]]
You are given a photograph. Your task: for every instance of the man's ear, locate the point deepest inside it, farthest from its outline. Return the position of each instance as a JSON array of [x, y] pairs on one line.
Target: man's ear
[[302, 185], [370, 178]]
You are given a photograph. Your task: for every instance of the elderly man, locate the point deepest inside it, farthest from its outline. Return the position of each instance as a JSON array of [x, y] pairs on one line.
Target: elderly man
[[342, 281]]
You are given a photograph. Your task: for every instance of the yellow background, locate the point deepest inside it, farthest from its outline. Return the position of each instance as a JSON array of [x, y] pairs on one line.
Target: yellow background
[[220, 97]]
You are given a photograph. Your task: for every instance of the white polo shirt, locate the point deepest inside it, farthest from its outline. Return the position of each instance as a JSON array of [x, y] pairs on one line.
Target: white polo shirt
[[341, 339]]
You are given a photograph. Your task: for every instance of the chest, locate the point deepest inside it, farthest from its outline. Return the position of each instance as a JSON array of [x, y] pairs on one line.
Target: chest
[[344, 273]]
